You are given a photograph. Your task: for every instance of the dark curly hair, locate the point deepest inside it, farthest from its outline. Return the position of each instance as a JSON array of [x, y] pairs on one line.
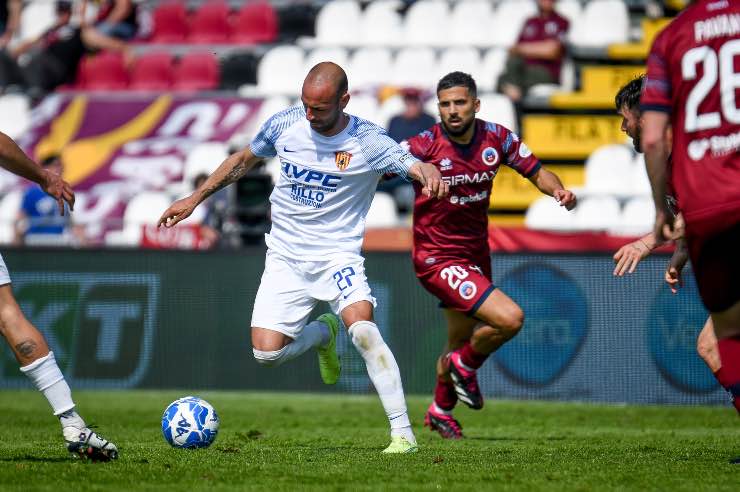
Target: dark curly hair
[[458, 79], [629, 94]]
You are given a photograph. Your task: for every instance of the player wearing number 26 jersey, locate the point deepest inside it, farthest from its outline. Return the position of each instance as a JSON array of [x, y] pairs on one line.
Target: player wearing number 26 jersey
[[693, 84], [451, 255]]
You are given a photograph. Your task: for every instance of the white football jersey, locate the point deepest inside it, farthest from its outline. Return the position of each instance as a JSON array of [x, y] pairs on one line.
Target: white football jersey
[[326, 184]]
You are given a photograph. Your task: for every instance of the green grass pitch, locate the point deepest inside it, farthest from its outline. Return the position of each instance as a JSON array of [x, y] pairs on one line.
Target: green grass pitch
[[326, 442]]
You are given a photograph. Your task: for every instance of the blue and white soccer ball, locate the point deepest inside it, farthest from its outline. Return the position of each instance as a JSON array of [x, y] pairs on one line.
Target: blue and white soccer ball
[[190, 422]]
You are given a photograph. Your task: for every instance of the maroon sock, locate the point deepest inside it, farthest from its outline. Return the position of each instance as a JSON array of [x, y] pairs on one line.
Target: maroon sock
[[729, 374], [470, 357], [444, 394]]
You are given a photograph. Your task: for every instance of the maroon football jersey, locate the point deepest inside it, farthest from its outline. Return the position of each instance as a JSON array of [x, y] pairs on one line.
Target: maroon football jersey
[[694, 75], [540, 28], [458, 224]]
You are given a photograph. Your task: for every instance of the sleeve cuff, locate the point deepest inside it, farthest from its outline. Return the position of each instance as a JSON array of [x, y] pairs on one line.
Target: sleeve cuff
[[661, 108], [534, 170]]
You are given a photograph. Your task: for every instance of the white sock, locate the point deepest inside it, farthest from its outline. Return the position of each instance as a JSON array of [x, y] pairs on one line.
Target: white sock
[[315, 334], [44, 373], [384, 373]]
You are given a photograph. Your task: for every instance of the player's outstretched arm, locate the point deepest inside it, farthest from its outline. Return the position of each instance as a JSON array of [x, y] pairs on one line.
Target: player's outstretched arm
[[549, 184], [14, 160], [675, 266], [234, 167], [430, 178], [631, 254]]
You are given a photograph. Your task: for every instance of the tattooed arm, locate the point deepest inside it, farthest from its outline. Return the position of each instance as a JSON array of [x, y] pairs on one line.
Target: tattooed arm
[[234, 167]]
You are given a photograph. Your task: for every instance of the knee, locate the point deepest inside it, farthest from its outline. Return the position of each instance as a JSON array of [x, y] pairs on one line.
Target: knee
[[704, 346], [511, 322], [269, 358]]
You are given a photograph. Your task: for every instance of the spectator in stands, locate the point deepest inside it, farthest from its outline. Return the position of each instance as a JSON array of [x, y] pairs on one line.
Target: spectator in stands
[[537, 56], [116, 18], [54, 56], [39, 222], [10, 17], [412, 121]]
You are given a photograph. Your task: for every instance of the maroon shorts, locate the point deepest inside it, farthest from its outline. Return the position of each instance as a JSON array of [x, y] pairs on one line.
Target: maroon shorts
[[459, 283], [716, 263]]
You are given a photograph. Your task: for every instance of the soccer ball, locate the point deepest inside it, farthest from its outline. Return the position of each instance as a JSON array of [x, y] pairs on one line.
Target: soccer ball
[[190, 422]]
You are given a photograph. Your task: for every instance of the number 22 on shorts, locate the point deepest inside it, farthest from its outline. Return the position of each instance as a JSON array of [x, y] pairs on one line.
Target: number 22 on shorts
[[343, 278]]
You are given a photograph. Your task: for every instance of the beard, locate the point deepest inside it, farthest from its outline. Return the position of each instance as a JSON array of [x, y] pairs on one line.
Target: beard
[[637, 143], [461, 131]]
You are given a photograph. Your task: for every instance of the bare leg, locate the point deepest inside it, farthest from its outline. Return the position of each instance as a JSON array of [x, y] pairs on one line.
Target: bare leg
[[706, 346]]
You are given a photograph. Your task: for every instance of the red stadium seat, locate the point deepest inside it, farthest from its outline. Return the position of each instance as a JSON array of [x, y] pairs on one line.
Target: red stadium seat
[[210, 23], [105, 71], [170, 23], [197, 72], [152, 72], [256, 22]]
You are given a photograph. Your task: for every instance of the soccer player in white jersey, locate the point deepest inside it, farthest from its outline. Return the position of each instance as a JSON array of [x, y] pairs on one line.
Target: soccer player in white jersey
[[26, 341], [331, 163]]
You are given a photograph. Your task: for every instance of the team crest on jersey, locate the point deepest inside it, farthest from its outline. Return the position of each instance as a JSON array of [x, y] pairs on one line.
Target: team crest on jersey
[[342, 159], [489, 156], [445, 164]]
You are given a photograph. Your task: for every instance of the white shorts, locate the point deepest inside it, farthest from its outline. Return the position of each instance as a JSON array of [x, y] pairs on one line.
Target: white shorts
[[4, 274], [290, 289]]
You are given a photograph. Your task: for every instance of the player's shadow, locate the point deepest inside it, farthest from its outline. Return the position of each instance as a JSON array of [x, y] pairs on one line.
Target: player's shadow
[[505, 438], [36, 459]]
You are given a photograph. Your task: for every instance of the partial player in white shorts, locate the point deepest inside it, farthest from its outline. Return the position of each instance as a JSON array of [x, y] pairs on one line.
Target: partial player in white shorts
[[4, 274], [290, 289]]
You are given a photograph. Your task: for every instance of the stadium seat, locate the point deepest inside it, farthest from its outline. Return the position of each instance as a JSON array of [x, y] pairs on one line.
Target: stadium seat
[[389, 108], [36, 19], [203, 158], [637, 217], [170, 23], [571, 10], [338, 23], [640, 181], [470, 23], [597, 213], [508, 19], [492, 65], [424, 23], [15, 115], [152, 72], [210, 23], [142, 209], [270, 106], [498, 109], [280, 71], [603, 22], [382, 212], [462, 58], [336, 55], [415, 67], [105, 71], [256, 22], [381, 24], [609, 170], [546, 214], [196, 71], [369, 67], [364, 106]]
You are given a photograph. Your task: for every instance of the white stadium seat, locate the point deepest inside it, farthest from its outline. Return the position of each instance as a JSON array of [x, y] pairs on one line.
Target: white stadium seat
[[597, 213], [463, 58], [281, 71], [609, 170], [338, 23], [369, 67], [15, 115], [492, 65], [382, 24], [546, 214], [508, 19], [637, 217], [382, 212], [498, 109], [603, 22], [143, 209], [471, 23], [334, 54], [203, 158], [570, 9], [426, 22], [640, 181], [365, 106], [415, 67], [391, 107]]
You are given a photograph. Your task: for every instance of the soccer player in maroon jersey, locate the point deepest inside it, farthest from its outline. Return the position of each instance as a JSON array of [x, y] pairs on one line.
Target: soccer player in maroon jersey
[[627, 102], [692, 85], [451, 254]]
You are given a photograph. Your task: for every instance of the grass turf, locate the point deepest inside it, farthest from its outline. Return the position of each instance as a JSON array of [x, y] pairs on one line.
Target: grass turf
[[321, 442]]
